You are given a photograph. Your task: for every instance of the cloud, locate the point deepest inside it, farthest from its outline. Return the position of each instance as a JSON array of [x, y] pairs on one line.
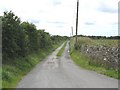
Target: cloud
[[57, 16], [115, 23], [56, 2], [89, 23], [107, 8], [60, 26], [34, 21], [57, 22]]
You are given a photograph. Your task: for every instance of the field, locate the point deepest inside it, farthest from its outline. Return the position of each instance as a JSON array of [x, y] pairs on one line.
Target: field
[[105, 42]]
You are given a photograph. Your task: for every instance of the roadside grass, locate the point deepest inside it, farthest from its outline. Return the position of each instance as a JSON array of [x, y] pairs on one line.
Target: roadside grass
[[59, 54], [0, 77], [84, 62], [14, 72]]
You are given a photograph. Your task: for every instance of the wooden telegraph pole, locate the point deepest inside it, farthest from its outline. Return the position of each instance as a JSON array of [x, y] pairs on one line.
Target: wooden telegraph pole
[[76, 24], [72, 30]]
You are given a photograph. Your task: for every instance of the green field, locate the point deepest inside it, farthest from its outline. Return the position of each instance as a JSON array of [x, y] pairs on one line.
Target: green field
[[84, 61], [105, 42]]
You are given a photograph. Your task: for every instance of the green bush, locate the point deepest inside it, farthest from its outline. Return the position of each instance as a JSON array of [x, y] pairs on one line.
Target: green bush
[[23, 46]]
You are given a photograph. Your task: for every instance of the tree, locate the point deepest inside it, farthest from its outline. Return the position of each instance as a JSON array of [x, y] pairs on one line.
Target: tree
[[31, 35], [22, 38], [10, 28], [45, 39]]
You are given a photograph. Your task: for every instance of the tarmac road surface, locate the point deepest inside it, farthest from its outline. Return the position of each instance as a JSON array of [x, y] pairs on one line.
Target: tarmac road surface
[[62, 72]]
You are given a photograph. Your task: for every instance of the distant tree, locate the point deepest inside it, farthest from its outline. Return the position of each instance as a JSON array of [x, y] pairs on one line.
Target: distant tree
[[45, 39]]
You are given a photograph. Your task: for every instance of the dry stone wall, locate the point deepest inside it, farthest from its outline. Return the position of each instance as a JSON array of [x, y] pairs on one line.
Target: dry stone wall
[[103, 55]]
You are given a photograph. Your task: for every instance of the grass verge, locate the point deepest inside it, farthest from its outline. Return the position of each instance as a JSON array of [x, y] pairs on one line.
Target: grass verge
[[14, 72], [84, 62], [59, 54]]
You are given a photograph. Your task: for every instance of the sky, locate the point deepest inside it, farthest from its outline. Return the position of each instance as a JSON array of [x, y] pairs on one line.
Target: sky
[[96, 17]]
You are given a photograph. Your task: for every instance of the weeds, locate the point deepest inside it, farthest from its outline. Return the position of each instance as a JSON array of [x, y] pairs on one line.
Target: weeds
[[61, 50]]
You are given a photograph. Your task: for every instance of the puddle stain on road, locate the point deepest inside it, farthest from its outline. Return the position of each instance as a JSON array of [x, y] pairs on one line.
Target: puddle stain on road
[[53, 63]]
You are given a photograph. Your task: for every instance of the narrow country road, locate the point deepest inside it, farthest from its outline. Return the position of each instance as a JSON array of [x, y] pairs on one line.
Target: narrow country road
[[63, 73]]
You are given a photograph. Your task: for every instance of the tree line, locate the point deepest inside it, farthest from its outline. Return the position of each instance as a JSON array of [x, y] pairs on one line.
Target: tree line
[[100, 37], [20, 39]]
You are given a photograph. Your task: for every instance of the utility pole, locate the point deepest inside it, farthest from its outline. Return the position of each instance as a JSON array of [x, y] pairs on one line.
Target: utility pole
[[76, 23], [72, 30]]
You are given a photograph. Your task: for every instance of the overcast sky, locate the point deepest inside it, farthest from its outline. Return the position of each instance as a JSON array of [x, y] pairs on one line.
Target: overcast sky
[[96, 17]]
